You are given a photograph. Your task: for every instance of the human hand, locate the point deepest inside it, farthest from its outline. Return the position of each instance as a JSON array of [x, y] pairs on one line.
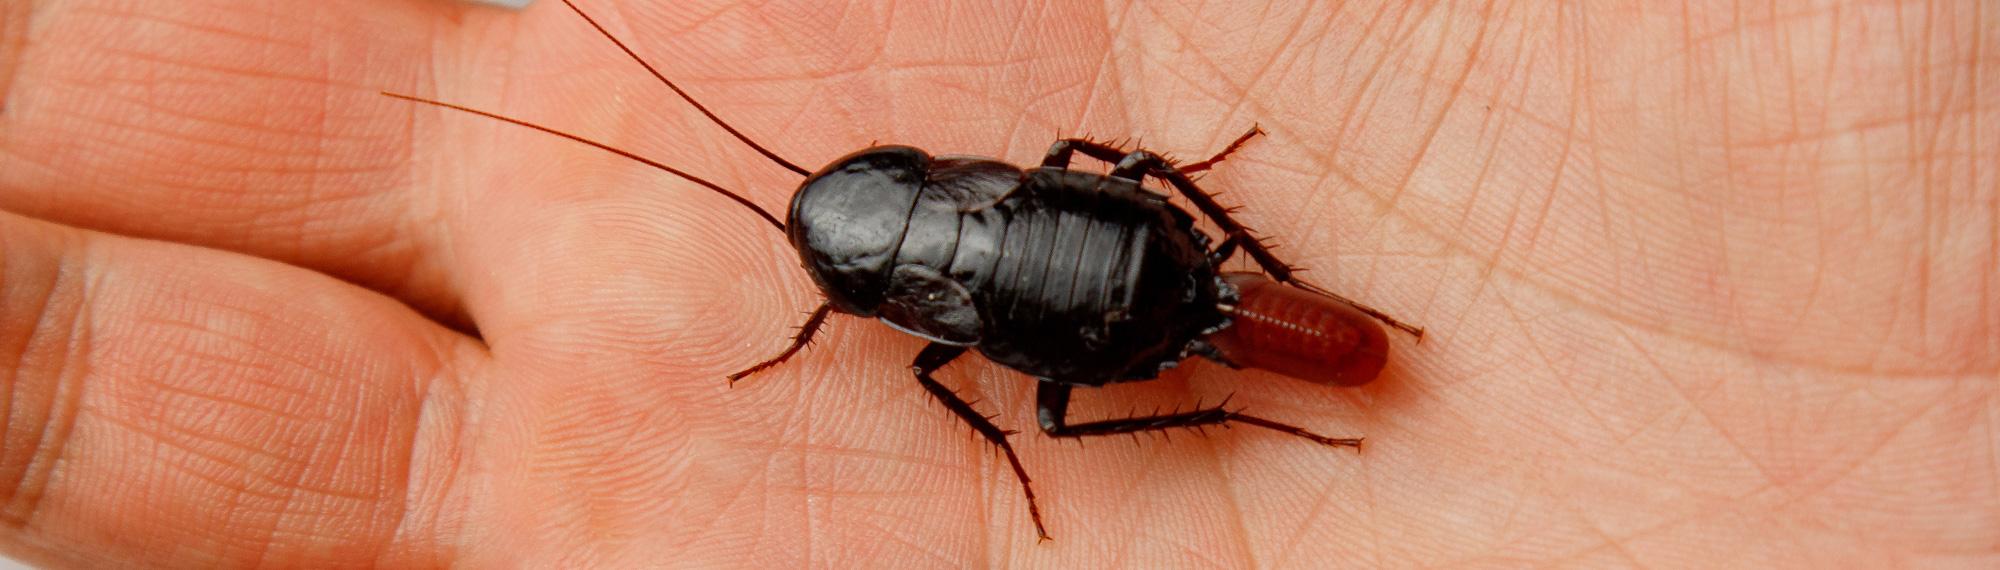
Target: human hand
[[1704, 286]]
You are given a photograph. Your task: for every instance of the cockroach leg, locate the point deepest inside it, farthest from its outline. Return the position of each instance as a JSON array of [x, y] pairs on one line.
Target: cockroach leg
[[1052, 410], [1227, 250], [1060, 153], [1139, 164], [1226, 151], [937, 355], [799, 342]]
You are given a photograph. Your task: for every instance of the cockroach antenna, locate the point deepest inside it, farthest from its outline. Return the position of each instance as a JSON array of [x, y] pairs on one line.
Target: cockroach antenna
[[607, 148], [684, 94]]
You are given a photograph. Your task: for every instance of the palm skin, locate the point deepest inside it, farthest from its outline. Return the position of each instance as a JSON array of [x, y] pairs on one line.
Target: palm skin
[[1705, 287]]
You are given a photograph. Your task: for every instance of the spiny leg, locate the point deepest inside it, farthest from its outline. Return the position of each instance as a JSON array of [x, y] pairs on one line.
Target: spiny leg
[[1052, 409], [936, 356], [1226, 151], [1139, 164], [1227, 250], [799, 342], [1059, 154]]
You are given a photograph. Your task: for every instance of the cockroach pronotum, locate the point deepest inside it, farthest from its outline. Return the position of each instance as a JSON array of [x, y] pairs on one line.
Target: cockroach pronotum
[[1073, 277]]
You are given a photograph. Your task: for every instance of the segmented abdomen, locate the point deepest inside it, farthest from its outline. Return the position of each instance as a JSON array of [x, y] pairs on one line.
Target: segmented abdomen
[[1075, 263]]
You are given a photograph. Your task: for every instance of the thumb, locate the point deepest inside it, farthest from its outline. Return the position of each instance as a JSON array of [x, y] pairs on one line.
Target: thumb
[[175, 406]]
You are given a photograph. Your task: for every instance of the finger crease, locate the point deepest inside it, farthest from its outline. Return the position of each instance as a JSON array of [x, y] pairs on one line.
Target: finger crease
[[55, 325]]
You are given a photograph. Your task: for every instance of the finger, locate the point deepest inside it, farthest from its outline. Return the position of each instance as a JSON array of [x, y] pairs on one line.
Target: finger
[[231, 124], [175, 406]]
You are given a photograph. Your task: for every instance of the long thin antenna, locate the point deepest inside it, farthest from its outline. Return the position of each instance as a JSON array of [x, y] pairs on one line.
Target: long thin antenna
[[684, 95], [608, 148]]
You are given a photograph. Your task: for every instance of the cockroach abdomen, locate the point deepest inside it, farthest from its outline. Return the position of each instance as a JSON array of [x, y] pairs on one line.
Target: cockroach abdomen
[[1300, 334]]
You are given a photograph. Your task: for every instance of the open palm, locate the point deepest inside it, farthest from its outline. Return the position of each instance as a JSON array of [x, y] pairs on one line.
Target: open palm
[[1703, 286]]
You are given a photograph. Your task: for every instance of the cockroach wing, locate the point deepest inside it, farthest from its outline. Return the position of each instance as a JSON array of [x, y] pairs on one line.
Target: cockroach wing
[[971, 184], [1300, 334], [923, 302]]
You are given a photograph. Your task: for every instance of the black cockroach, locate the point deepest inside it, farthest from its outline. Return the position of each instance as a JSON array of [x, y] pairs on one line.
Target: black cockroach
[[1076, 278]]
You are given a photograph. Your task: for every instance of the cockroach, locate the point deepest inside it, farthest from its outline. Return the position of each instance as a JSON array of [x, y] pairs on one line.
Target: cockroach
[[1073, 277]]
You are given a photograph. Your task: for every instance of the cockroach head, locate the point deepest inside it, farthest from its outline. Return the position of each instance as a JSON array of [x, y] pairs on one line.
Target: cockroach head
[[847, 222]]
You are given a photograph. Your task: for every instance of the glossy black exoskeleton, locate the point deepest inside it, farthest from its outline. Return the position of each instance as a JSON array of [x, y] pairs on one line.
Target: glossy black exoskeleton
[[1073, 277]]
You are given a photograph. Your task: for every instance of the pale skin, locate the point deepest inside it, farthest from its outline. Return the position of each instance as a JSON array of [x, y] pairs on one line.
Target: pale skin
[[1705, 285]]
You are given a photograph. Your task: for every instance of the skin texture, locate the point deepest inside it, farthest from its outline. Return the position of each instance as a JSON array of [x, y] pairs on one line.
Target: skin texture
[[1707, 284]]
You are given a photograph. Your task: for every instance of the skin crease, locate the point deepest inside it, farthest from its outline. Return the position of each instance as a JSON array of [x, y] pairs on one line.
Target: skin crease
[[1707, 284]]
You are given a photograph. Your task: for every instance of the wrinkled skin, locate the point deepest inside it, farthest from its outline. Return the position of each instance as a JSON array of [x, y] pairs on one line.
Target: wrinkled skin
[[1705, 284]]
